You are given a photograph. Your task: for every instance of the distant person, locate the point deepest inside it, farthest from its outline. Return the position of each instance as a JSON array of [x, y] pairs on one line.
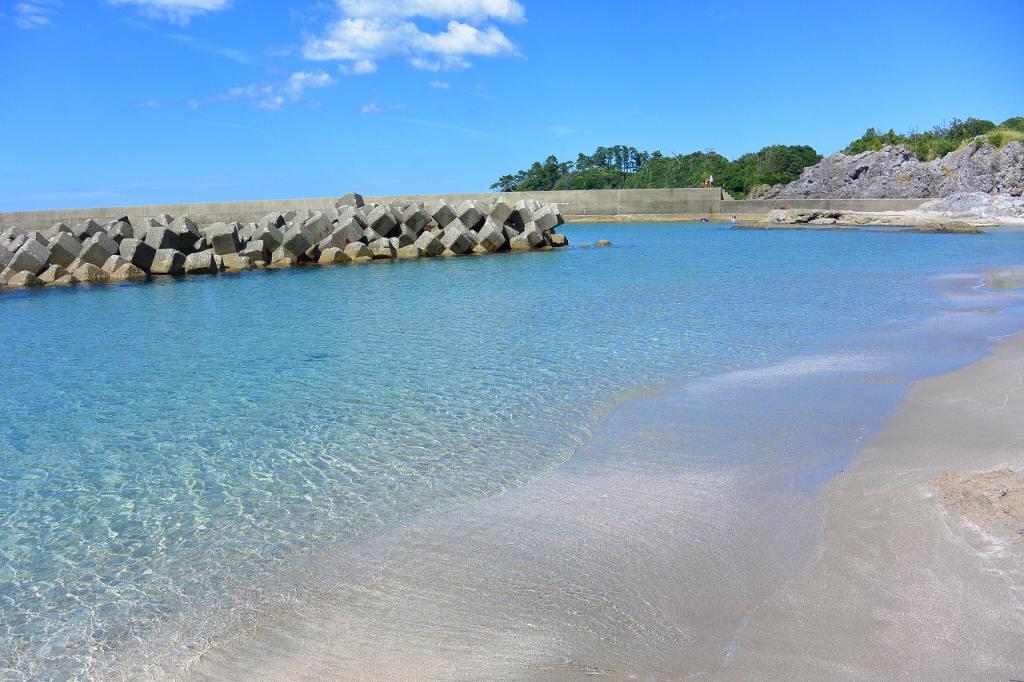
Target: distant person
[[733, 221], [711, 181]]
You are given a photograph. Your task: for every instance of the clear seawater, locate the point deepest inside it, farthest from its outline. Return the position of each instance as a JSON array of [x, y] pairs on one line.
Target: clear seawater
[[165, 446]]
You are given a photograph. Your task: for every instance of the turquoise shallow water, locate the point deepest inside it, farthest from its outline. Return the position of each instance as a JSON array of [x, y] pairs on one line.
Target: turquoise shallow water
[[164, 445]]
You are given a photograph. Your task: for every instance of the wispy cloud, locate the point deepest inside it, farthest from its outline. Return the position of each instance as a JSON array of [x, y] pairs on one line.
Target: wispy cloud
[[368, 31], [440, 85], [199, 45], [374, 108], [176, 11], [452, 127], [273, 96], [36, 14]]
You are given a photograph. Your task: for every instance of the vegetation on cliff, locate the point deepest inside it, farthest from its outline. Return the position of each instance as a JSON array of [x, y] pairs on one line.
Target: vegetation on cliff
[[622, 167], [942, 139]]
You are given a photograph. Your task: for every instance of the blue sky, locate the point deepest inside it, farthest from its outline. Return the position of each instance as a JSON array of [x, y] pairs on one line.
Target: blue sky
[[113, 102]]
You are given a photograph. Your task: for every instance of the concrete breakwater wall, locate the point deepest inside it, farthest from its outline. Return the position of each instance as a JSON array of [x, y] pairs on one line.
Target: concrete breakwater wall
[[571, 204], [348, 231]]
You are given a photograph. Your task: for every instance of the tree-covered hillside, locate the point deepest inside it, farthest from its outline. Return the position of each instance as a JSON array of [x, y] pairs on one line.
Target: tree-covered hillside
[[623, 167]]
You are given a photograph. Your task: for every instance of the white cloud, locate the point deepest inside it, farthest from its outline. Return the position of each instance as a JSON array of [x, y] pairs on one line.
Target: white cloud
[[374, 108], [471, 10], [176, 11], [273, 97], [440, 85], [360, 68], [29, 15], [371, 30]]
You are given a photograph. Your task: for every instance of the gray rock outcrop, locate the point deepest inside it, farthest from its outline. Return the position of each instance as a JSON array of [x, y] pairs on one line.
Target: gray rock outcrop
[[895, 172]]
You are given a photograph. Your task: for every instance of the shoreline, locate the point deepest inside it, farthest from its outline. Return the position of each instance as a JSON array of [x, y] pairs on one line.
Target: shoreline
[[905, 583], [480, 593]]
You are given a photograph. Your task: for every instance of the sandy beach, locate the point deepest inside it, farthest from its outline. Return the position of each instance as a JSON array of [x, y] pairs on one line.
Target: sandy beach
[[920, 575]]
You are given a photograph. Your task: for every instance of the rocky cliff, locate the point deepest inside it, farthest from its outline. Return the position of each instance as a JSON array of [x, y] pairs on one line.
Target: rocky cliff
[[895, 172]]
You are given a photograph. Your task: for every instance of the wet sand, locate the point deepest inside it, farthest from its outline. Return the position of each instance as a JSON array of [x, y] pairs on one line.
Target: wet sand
[[627, 563], [921, 573]]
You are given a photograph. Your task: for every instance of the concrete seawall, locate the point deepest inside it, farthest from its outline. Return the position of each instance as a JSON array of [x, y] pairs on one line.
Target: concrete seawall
[[573, 204]]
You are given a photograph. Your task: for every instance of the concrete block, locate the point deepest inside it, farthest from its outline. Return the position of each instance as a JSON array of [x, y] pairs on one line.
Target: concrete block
[[201, 263], [52, 274], [405, 236], [187, 233], [64, 248], [271, 220], [558, 240], [137, 252], [167, 262], [382, 248], [86, 229], [236, 263], [224, 238], [351, 199], [271, 237], [416, 219], [334, 255], [545, 219], [358, 251], [442, 212], [382, 221], [161, 237], [5, 257], [31, 257], [281, 258], [349, 213], [295, 241], [120, 230], [429, 245], [113, 263], [408, 252], [89, 273], [128, 273], [501, 211], [256, 250], [456, 238], [470, 214], [491, 235], [24, 279], [56, 229], [317, 227], [98, 248]]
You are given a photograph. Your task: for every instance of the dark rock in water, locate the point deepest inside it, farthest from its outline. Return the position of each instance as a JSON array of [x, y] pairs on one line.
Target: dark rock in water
[[602, 242]]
